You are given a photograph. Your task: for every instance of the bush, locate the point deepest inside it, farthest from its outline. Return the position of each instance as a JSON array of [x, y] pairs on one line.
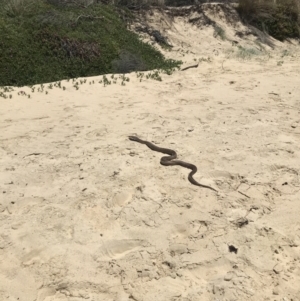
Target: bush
[[279, 18], [15, 8], [54, 40], [127, 62]]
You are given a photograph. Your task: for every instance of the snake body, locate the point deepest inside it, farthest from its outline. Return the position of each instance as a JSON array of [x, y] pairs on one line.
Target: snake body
[[171, 160]]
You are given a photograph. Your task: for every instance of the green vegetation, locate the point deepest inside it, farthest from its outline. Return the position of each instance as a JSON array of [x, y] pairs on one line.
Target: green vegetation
[[246, 53], [219, 32], [46, 41], [279, 18], [113, 79]]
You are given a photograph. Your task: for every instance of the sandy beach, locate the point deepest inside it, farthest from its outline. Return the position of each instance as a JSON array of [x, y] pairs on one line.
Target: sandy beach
[[87, 214]]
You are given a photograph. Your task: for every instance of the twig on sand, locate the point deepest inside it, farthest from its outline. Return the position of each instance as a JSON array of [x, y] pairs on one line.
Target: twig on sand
[[33, 154], [247, 196], [193, 66]]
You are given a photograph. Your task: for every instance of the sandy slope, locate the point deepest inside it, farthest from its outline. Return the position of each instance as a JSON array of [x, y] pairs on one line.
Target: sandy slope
[[86, 214]]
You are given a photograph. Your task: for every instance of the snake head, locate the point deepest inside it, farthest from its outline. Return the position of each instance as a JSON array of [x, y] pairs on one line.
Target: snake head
[[133, 138]]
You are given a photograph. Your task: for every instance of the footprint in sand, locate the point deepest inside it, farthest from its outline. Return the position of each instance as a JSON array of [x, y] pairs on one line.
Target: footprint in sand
[[97, 133], [44, 293], [121, 199], [115, 249], [286, 180], [32, 257]]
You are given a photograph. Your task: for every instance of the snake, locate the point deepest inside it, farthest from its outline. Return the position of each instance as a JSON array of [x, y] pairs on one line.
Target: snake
[[171, 160]]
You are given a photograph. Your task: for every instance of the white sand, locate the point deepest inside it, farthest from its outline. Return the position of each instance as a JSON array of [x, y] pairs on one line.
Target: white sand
[[86, 214]]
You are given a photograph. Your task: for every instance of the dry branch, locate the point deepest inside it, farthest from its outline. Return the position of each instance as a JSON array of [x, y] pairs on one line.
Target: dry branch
[[193, 66]]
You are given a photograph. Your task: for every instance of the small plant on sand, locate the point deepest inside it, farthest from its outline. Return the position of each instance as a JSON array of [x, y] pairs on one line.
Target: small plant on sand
[[203, 59], [286, 53], [219, 32], [140, 75], [76, 85], [41, 88], [170, 71], [8, 89], [22, 93], [105, 81], [124, 78], [246, 53], [3, 95], [155, 75]]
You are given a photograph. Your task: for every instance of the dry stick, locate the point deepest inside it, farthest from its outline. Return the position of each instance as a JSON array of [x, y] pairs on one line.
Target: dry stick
[[34, 154], [247, 196], [193, 66]]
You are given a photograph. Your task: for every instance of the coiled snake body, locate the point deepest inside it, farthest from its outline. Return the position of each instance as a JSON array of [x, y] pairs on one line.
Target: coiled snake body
[[170, 160]]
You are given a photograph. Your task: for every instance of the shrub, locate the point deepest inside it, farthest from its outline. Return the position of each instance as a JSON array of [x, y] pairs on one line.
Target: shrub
[[15, 8], [54, 40], [279, 18]]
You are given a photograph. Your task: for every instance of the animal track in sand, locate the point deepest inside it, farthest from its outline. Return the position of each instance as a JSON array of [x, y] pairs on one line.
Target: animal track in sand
[[45, 292], [2, 208], [28, 205], [115, 249], [32, 257], [285, 179], [120, 199], [78, 290], [5, 241], [97, 133]]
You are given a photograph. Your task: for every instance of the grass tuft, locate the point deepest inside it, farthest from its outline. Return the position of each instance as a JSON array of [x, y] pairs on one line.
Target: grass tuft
[[219, 32]]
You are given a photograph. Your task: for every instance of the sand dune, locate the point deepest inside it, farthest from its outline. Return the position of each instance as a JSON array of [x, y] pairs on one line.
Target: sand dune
[[87, 214]]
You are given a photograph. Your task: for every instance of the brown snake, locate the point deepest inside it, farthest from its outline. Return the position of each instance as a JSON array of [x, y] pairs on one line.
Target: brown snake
[[170, 160]]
